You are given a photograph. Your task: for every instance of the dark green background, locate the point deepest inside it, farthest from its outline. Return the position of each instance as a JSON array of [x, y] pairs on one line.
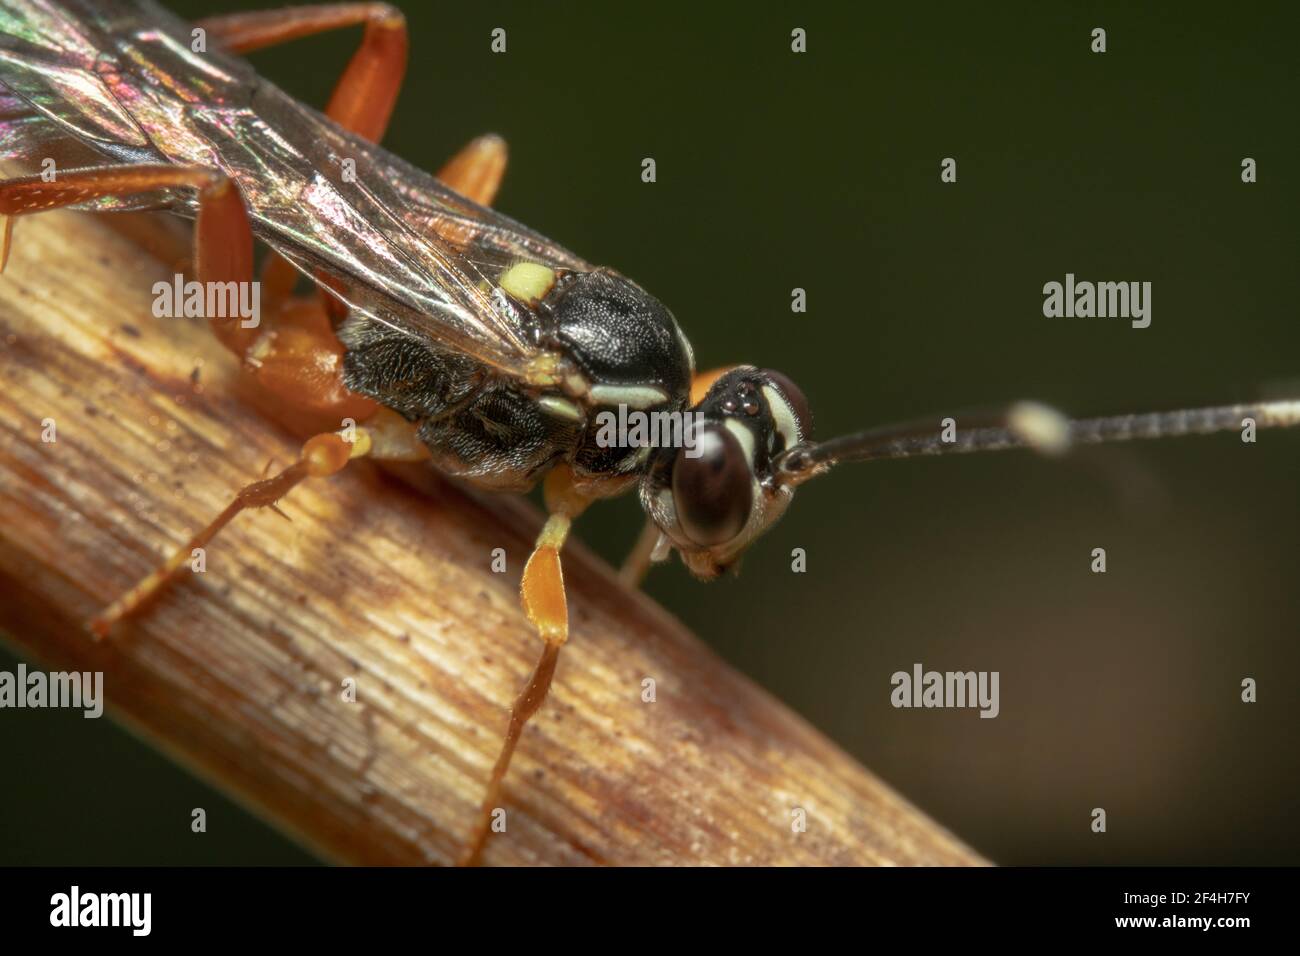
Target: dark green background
[[821, 171]]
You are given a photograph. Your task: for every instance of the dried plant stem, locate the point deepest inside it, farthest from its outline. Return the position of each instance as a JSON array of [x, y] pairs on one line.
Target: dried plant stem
[[239, 671]]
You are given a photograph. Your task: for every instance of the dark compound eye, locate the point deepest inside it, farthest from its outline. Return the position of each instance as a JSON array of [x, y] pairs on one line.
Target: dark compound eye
[[713, 492], [795, 399]]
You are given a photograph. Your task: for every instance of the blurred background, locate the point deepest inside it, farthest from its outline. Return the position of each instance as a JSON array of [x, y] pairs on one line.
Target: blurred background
[[821, 171]]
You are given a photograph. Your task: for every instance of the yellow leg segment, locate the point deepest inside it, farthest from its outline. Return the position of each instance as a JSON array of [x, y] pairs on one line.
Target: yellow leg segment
[[542, 594]]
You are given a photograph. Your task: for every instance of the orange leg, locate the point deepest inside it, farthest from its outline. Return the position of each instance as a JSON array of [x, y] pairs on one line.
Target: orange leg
[[387, 437], [298, 358], [223, 239], [363, 99], [6, 236], [476, 171], [322, 455], [301, 363], [365, 95], [542, 593]]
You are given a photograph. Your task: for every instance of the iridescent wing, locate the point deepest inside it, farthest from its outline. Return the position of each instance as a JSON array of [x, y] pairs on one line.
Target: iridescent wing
[[123, 81]]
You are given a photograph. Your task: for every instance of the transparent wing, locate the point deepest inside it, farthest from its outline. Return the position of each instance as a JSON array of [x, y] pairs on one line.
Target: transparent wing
[[123, 78]]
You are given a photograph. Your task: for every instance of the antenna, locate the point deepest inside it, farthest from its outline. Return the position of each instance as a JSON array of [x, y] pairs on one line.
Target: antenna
[[1025, 425]]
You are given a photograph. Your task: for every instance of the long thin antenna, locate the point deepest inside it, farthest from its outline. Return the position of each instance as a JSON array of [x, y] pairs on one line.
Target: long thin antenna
[[1025, 425]]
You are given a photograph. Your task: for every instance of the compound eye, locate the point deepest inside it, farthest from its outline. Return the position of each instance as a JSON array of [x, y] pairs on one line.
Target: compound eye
[[713, 492], [794, 397]]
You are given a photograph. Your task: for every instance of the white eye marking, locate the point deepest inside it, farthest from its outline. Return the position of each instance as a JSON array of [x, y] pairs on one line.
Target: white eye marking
[[560, 407], [782, 416], [745, 437], [633, 396]]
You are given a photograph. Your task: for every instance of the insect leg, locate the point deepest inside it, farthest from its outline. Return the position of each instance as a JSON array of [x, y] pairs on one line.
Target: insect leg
[[388, 437], [542, 594], [364, 97], [634, 567], [223, 238], [300, 361], [322, 455], [475, 172], [6, 235]]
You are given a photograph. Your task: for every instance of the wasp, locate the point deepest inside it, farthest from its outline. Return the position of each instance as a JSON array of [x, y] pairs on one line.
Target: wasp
[[437, 329]]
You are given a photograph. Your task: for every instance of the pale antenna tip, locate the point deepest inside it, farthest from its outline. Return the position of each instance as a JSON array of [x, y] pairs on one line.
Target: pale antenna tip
[[1040, 426]]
